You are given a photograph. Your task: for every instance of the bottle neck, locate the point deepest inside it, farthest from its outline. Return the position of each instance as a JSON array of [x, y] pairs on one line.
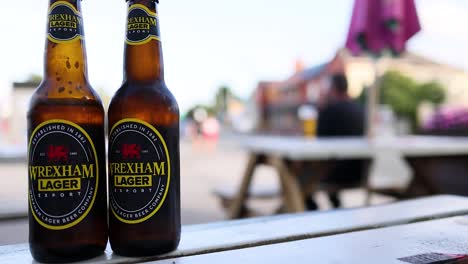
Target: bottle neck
[[143, 61], [65, 52]]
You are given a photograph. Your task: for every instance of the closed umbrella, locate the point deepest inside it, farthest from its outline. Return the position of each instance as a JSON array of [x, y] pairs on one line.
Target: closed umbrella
[[378, 27]]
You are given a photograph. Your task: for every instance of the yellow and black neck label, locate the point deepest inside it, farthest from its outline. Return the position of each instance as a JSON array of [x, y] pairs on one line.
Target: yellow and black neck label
[[142, 25], [63, 174], [64, 23], [139, 170]]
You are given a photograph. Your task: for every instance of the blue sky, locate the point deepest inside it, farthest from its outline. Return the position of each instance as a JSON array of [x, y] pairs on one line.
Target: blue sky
[[208, 43]]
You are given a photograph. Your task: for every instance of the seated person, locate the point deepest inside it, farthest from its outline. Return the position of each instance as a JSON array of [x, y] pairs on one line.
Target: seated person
[[340, 116]]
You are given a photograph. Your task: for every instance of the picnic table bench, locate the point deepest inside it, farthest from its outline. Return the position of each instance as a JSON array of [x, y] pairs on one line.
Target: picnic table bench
[[424, 154], [379, 234]]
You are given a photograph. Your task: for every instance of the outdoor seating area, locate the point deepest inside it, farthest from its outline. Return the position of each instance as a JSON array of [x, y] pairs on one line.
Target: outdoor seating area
[[427, 156]]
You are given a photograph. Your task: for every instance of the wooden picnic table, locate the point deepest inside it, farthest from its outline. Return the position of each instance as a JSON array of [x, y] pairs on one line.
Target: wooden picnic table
[[379, 234], [420, 152]]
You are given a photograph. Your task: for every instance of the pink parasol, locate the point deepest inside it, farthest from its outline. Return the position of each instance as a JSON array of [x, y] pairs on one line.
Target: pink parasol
[[378, 26]]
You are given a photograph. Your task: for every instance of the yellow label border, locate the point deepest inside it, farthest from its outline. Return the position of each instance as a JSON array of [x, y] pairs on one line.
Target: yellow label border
[[145, 8], [54, 40], [169, 175], [77, 221], [148, 39], [54, 5]]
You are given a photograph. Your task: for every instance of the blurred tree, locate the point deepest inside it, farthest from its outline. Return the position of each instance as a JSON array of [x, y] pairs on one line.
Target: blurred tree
[[433, 92], [401, 94], [34, 78], [219, 106], [190, 112], [221, 101], [104, 95], [404, 95]]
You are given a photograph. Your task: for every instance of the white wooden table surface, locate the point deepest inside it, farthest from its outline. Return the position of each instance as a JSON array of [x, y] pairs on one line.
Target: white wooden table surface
[[301, 148], [255, 233], [379, 246]]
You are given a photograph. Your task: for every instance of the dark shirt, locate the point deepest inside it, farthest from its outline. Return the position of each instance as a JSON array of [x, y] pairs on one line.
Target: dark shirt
[[343, 118]]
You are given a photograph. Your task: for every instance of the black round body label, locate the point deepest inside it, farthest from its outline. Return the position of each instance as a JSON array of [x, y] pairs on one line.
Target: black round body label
[[139, 170], [64, 22], [63, 174], [142, 25]]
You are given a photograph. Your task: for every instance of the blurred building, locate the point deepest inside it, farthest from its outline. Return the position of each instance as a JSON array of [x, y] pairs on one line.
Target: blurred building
[[13, 126], [360, 73], [20, 97], [278, 101]]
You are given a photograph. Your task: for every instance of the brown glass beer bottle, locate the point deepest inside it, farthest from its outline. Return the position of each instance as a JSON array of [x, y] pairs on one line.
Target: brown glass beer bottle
[[66, 151], [144, 192]]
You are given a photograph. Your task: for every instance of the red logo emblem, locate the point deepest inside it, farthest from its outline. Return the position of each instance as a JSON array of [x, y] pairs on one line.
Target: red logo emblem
[[57, 153], [131, 151]]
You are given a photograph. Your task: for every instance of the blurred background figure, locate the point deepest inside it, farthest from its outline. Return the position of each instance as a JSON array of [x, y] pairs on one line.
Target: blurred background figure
[[340, 116], [210, 129]]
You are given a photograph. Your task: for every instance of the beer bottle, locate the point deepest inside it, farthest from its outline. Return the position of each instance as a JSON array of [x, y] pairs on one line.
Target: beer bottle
[[143, 152], [66, 151]]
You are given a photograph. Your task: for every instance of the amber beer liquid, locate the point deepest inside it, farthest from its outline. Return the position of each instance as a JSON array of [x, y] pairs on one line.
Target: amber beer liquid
[[143, 151], [66, 152]]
